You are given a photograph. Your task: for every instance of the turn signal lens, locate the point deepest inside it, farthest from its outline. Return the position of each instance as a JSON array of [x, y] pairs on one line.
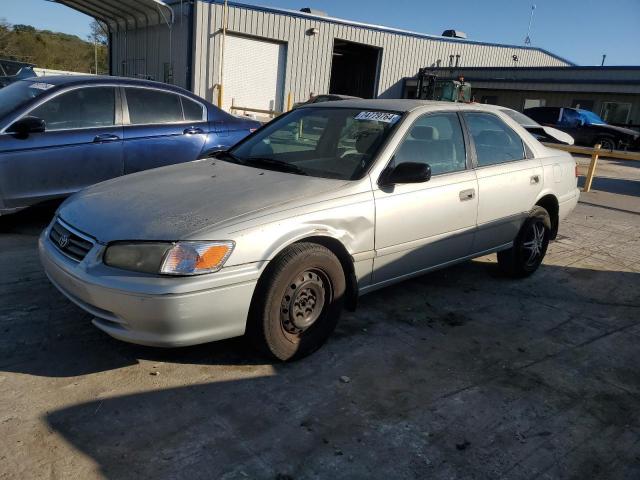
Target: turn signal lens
[[194, 258]]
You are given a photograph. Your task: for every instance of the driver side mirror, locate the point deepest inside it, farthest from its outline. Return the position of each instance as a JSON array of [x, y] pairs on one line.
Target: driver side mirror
[[407, 172], [26, 126]]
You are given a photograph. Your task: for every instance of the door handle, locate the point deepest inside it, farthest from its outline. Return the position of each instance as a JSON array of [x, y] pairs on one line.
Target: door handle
[[535, 179], [192, 131], [467, 194], [105, 137]]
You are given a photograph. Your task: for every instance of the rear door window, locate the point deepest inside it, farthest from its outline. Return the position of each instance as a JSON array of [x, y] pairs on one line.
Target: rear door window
[[148, 106], [91, 107], [193, 111], [495, 142]]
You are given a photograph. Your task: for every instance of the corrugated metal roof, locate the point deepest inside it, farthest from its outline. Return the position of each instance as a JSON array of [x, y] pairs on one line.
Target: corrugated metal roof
[[122, 14], [381, 28]]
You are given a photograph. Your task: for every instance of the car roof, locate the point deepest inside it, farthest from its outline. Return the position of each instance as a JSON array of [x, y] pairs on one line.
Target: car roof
[[403, 105], [67, 80], [396, 105]]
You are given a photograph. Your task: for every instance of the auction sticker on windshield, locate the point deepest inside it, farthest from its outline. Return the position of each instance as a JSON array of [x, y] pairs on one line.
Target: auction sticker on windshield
[[384, 117]]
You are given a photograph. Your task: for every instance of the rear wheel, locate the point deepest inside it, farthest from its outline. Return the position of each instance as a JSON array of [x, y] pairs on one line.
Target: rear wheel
[[529, 247], [607, 143], [298, 302]]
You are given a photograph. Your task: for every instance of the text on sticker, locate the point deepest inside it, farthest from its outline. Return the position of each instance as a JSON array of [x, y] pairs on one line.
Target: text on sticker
[[378, 116]]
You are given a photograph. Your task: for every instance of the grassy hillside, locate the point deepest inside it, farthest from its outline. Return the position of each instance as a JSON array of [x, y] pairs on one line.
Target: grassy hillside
[[48, 49]]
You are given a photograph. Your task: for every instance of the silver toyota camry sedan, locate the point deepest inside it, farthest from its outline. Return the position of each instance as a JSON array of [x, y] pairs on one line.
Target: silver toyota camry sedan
[[276, 236]]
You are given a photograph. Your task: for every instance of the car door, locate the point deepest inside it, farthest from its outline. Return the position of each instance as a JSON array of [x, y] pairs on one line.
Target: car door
[[161, 128], [81, 145], [508, 181], [422, 225]]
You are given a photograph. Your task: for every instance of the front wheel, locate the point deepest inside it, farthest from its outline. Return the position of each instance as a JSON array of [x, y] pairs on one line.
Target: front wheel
[[297, 302], [529, 246]]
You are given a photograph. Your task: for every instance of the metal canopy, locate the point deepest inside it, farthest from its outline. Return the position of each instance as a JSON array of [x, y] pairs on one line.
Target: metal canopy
[[124, 14]]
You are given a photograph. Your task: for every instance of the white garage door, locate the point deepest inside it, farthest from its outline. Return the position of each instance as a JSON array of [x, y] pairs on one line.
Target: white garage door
[[253, 73]]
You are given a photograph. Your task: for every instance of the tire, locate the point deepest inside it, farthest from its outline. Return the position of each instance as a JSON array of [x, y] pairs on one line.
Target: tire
[[297, 302], [607, 143], [529, 246]]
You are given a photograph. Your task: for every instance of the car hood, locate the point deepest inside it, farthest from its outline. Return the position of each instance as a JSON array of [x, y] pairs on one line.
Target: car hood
[[175, 202], [622, 130]]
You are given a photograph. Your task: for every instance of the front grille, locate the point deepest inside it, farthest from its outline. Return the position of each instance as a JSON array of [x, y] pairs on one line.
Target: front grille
[[69, 242]]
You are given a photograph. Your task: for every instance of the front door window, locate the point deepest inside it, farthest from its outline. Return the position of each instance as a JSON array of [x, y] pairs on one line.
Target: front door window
[[92, 107]]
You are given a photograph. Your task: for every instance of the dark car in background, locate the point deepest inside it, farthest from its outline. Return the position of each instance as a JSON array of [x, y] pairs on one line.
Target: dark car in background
[[60, 134], [587, 128], [540, 132]]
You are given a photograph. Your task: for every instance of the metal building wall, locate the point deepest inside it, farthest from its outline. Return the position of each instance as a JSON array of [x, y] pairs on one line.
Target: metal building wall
[[142, 52], [309, 57]]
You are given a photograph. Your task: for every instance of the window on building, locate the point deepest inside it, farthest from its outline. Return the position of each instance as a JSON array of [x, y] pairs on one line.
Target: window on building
[[153, 106], [92, 107], [436, 140], [193, 111], [615, 112], [534, 102], [495, 142]]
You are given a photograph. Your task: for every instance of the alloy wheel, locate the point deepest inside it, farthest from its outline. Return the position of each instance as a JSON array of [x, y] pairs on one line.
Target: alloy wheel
[[534, 243]]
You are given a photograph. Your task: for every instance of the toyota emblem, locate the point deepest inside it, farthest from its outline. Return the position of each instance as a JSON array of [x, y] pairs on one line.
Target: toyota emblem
[[63, 241]]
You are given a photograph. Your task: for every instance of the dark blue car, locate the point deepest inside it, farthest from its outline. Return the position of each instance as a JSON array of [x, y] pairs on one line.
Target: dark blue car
[[60, 134]]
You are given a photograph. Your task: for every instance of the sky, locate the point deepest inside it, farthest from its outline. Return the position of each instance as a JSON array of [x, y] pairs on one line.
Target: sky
[[578, 30]]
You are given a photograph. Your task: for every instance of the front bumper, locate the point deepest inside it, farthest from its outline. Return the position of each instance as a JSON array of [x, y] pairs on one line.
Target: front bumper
[[149, 310]]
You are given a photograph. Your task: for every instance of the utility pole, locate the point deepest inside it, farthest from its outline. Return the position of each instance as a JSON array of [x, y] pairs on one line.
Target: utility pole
[[604, 56], [95, 51], [527, 40]]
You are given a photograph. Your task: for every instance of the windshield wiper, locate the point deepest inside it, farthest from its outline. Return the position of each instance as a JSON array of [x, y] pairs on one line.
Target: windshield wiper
[[230, 156], [275, 164]]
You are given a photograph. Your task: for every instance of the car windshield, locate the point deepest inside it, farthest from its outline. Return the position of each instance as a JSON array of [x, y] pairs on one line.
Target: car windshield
[[521, 118], [591, 118], [17, 93], [335, 143]]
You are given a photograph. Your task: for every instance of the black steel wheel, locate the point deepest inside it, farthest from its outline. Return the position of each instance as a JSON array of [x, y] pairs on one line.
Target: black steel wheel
[[297, 302], [529, 246], [607, 143]]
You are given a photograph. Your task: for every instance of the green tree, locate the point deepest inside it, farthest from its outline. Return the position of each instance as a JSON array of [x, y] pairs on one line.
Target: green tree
[[54, 50]]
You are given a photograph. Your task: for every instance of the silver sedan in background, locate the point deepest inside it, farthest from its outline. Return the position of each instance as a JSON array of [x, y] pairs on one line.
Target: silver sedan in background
[[274, 237]]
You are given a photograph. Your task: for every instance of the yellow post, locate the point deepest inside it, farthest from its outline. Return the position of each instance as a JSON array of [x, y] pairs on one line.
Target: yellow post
[[289, 105], [592, 168], [220, 95]]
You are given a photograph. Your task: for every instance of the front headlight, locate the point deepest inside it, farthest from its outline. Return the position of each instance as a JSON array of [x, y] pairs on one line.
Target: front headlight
[[179, 258]]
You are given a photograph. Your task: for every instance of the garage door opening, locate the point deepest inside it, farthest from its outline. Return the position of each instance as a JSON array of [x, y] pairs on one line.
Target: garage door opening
[[354, 70], [253, 75]]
